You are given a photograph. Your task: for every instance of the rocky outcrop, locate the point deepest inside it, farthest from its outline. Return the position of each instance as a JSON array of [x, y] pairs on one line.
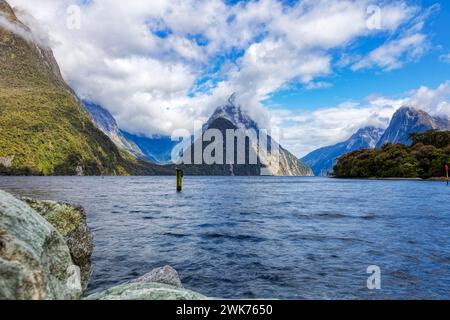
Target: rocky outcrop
[[70, 221], [166, 275], [159, 284], [7, 161], [146, 291], [35, 262]]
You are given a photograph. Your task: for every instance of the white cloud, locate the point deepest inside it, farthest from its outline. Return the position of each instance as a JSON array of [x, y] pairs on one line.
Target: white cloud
[[23, 31], [445, 58], [393, 54], [408, 46], [147, 81], [435, 101], [318, 85]]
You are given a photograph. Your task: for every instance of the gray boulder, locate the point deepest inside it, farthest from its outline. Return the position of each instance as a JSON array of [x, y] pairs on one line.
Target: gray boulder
[[70, 221], [166, 275], [146, 291], [35, 262], [159, 284]]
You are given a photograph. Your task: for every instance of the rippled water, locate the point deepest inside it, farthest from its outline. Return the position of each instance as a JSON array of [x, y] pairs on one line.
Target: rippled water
[[265, 237]]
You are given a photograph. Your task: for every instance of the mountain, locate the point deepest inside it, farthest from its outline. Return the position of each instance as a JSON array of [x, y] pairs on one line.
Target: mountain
[[157, 149], [44, 129], [322, 160], [231, 117], [233, 113], [108, 125], [407, 120]]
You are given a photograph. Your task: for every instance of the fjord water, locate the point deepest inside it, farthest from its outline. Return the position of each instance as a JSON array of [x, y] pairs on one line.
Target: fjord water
[[264, 237]]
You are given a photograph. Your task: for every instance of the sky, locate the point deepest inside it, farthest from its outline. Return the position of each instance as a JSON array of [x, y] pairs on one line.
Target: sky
[[319, 70]]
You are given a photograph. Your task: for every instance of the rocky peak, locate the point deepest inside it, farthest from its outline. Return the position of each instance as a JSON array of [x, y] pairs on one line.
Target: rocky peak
[[367, 137], [407, 120], [7, 11], [234, 113]]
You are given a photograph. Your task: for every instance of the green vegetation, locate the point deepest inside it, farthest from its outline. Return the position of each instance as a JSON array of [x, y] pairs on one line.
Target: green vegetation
[[44, 130], [425, 158]]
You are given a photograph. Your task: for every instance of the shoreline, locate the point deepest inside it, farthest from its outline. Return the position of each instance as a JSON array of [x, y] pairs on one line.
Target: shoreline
[[443, 179]]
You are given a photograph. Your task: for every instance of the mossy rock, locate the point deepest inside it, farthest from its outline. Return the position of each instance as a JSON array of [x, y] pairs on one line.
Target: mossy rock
[[35, 262], [70, 221], [146, 291]]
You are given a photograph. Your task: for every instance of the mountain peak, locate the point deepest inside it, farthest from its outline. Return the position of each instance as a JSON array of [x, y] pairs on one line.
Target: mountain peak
[[410, 111], [233, 112], [232, 99], [7, 11], [407, 120]]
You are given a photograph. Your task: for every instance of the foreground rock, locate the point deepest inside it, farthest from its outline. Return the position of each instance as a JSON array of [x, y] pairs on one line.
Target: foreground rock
[[70, 221], [159, 284], [35, 262], [166, 275], [146, 291]]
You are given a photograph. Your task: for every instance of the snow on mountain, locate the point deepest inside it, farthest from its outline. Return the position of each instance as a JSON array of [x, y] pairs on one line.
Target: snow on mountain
[[233, 113]]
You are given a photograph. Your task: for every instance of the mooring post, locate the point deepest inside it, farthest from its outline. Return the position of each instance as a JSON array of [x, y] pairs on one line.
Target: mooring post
[[179, 180], [446, 167]]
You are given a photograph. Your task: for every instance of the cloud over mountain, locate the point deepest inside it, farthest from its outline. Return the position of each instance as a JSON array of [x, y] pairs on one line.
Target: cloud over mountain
[[158, 65]]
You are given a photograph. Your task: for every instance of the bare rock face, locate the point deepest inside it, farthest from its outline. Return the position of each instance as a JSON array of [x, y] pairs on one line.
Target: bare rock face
[[70, 221], [35, 262], [166, 274]]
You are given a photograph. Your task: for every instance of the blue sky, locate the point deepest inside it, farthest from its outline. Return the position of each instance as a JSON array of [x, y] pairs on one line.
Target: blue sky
[[317, 69], [429, 70]]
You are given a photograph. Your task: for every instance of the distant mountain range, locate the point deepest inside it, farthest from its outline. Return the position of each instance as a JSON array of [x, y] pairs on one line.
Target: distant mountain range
[[229, 116], [405, 121], [45, 130], [156, 149], [322, 160]]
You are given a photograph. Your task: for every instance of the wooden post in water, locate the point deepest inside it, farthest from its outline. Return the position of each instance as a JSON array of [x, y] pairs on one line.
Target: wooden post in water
[[446, 171], [179, 180]]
